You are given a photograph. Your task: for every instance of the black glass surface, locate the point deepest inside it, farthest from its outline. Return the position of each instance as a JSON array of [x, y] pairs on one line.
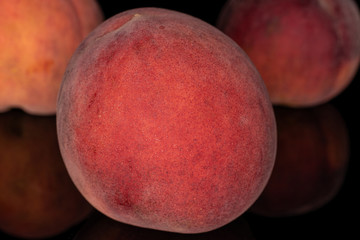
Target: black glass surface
[[337, 219]]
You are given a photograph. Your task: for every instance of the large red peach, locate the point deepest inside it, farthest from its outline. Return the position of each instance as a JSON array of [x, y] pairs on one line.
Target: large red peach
[[311, 161], [37, 197], [37, 39], [164, 122], [307, 51]]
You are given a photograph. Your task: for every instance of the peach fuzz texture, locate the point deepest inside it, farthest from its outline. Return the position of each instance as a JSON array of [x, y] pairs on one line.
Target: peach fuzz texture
[[163, 122], [307, 51], [37, 39]]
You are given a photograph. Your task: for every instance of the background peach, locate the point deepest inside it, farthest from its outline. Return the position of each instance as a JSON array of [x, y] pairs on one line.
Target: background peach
[[164, 122], [37, 39], [307, 52]]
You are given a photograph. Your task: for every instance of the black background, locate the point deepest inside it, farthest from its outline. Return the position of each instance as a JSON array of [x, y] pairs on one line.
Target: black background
[[337, 219]]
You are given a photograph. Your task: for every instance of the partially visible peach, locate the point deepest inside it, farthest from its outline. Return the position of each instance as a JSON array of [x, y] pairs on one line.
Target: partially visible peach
[[37, 39], [37, 196], [311, 162], [164, 122], [307, 51]]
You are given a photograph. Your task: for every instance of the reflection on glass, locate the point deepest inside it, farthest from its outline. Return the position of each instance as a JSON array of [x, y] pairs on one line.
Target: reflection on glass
[[100, 227], [312, 158], [37, 197]]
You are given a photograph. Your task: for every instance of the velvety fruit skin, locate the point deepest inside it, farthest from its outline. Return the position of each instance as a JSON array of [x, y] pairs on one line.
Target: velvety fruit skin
[[38, 198], [307, 51], [163, 122], [311, 161], [100, 227], [37, 39]]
